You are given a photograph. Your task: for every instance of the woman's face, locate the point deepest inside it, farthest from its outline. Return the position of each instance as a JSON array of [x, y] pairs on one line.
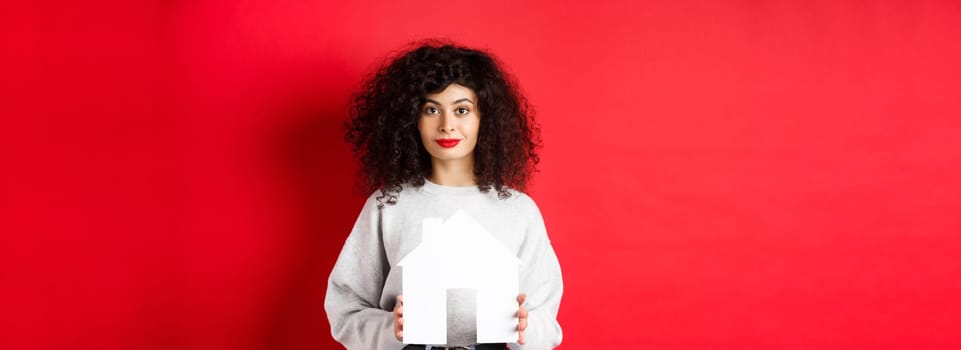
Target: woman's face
[[448, 124]]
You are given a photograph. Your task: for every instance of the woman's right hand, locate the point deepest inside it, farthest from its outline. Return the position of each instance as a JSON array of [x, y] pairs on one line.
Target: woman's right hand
[[399, 318]]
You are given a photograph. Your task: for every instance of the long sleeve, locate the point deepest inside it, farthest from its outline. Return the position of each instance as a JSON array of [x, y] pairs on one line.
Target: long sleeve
[[541, 280], [355, 287]]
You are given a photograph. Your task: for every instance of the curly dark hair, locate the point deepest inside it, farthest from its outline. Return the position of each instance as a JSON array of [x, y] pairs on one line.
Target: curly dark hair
[[383, 120]]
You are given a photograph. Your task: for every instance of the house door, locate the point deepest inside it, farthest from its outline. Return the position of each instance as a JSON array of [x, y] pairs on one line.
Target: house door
[[461, 316]]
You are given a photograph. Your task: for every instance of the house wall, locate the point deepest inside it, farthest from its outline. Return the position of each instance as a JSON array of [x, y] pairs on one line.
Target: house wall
[[725, 175]]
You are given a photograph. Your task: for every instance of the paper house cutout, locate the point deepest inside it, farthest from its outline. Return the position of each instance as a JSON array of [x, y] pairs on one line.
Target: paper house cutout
[[459, 253]]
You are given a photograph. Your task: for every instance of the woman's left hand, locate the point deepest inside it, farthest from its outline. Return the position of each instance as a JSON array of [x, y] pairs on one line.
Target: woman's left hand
[[521, 318]]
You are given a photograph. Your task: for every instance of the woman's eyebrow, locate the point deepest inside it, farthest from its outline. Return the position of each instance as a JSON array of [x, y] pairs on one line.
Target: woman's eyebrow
[[455, 102]]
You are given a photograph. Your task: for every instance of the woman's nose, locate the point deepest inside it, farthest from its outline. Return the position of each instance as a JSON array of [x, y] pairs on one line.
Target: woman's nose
[[446, 123]]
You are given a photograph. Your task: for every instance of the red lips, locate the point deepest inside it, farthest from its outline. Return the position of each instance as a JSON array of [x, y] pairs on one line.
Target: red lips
[[447, 143]]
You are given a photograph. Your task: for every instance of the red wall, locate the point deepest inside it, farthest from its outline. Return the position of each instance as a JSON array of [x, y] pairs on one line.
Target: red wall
[[737, 175]]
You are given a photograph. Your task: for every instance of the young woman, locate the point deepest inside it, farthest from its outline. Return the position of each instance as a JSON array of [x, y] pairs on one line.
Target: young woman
[[437, 129]]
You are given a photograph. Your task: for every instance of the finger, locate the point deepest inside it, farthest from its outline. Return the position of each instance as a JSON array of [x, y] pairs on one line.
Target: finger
[[521, 298], [399, 308], [522, 325], [399, 329], [520, 338], [522, 313]]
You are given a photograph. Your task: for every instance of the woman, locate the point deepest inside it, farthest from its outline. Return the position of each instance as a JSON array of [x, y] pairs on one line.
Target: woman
[[441, 128]]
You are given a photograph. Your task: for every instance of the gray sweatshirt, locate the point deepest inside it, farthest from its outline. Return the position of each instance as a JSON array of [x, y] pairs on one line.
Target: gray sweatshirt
[[366, 280]]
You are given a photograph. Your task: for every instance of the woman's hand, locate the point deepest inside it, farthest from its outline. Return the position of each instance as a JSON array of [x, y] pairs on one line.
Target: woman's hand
[[521, 318], [399, 318]]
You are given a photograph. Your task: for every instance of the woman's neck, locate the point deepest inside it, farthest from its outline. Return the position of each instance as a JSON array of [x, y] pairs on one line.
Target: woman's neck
[[452, 173]]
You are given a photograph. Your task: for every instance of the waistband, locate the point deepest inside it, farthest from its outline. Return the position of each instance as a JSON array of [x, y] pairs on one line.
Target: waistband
[[499, 346]]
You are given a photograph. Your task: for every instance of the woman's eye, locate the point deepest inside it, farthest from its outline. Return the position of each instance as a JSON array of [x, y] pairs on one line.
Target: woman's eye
[[430, 110], [462, 111]]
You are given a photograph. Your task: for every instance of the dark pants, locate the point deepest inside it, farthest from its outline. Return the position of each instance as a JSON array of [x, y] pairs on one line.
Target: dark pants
[[476, 347]]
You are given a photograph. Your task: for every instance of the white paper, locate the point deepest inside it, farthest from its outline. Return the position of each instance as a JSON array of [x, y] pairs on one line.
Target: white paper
[[459, 253]]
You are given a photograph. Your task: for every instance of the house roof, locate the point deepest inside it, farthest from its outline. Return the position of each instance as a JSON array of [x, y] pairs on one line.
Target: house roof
[[458, 238]]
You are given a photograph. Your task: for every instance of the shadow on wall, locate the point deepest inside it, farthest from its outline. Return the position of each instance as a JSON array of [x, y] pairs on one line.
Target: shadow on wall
[[315, 169]]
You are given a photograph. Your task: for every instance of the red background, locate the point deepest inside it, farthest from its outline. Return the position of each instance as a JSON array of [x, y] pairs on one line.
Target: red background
[[742, 174]]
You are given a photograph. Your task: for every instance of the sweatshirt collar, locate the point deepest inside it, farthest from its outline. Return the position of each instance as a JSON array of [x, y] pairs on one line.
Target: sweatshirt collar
[[431, 187]]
